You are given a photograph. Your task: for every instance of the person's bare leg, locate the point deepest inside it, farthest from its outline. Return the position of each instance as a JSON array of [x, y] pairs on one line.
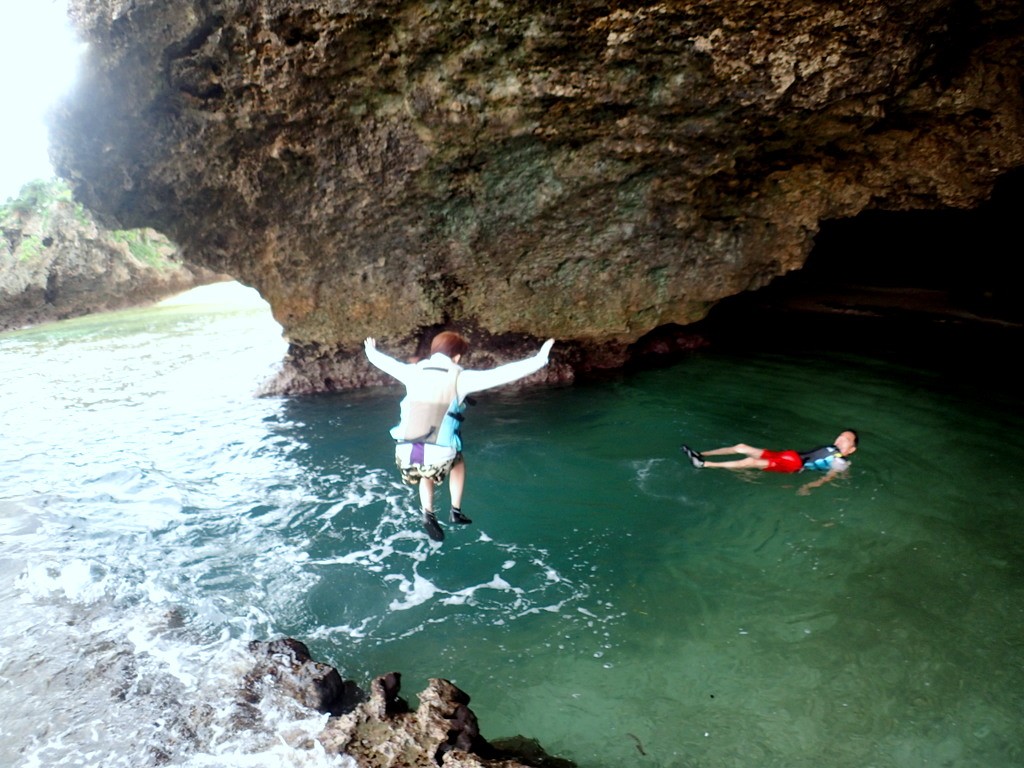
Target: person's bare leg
[[427, 502], [739, 448], [427, 495], [753, 458], [457, 480], [748, 463]]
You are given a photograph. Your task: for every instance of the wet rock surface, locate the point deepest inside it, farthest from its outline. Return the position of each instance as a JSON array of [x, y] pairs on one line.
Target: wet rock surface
[[379, 729]]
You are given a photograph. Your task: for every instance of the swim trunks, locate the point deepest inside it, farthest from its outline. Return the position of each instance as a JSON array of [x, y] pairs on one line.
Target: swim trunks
[[782, 461], [419, 460]]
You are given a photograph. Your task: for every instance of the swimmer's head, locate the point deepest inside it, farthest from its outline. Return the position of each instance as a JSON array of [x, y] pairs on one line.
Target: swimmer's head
[[847, 442]]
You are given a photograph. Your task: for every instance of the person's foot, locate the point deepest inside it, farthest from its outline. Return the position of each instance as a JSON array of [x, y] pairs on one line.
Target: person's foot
[[458, 517], [433, 529], [695, 458]]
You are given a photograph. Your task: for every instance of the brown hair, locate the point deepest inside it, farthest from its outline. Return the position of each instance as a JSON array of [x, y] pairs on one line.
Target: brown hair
[[449, 343]]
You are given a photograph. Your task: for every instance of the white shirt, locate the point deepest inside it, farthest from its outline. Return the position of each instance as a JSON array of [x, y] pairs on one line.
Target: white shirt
[[469, 381]]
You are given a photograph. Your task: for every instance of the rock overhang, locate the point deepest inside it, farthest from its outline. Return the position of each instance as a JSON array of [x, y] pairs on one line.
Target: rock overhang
[[574, 170]]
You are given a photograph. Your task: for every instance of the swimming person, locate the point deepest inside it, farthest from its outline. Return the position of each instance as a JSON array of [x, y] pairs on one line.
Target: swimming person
[[428, 435], [831, 459]]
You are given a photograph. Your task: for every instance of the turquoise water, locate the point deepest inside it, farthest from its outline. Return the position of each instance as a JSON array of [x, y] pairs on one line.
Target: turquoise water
[[609, 601]]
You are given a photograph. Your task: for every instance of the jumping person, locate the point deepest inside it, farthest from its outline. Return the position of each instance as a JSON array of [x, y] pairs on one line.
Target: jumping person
[[429, 443], [831, 459]]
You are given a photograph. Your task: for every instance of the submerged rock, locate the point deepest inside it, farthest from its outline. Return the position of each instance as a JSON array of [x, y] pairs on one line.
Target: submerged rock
[[576, 170], [379, 730]]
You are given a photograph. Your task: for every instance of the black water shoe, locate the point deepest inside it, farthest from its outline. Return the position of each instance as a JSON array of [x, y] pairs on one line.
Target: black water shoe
[[458, 517], [695, 458], [433, 529]]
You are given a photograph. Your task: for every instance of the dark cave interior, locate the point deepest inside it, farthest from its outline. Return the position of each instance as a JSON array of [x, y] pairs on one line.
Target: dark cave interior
[[965, 263], [918, 287]]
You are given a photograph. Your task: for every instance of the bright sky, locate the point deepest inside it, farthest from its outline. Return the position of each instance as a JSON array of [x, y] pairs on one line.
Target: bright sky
[[38, 58]]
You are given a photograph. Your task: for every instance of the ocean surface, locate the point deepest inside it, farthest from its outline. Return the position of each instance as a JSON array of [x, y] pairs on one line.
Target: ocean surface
[[609, 601]]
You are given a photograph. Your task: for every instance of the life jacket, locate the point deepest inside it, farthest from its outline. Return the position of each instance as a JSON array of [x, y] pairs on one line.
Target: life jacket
[[821, 458], [431, 412]]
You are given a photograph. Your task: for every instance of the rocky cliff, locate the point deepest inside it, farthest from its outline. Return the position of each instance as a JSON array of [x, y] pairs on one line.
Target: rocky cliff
[[56, 262], [582, 170]]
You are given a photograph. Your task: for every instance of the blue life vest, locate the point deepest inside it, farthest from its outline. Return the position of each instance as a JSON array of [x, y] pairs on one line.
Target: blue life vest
[[822, 458]]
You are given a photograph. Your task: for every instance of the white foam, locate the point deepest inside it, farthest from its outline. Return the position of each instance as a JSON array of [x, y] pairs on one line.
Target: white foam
[[79, 581], [281, 755], [417, 591], [358, 631], [467, 594]]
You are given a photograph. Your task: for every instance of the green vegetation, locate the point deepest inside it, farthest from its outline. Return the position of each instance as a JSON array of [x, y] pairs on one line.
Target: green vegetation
[[144, 247], [39, 198], [31, 247], [36, 199]]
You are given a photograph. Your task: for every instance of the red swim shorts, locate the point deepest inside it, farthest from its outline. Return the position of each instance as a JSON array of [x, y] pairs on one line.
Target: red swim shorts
[[782, 461]]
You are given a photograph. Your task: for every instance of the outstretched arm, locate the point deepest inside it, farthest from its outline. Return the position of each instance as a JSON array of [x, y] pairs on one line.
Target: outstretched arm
[[387, 364], [828, 477], [474, 381]]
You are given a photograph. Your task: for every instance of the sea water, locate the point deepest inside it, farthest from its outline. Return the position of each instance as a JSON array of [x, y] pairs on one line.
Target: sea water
[[609, 600]]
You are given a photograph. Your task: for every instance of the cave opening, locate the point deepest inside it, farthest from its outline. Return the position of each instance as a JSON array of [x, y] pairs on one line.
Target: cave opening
[[914, 284], [970, 257]]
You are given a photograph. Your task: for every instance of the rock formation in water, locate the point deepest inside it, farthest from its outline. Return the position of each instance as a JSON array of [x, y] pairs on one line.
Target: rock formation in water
[[379, 730], [56, 263], [581, 170]]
